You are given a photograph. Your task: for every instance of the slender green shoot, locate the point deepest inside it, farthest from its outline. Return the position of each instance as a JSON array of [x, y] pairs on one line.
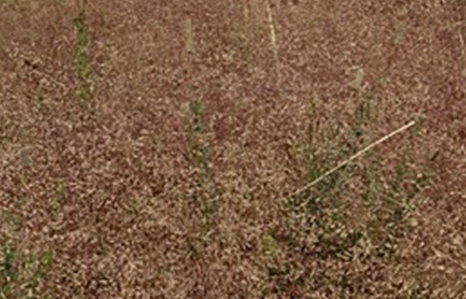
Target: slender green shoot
[[81, 55]]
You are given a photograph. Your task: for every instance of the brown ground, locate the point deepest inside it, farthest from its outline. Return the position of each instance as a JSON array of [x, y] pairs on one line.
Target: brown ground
[[130, 193]]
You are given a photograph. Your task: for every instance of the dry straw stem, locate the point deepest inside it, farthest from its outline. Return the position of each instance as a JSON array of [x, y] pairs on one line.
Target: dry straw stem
[[189, 36], [273, 34], [355, 156]]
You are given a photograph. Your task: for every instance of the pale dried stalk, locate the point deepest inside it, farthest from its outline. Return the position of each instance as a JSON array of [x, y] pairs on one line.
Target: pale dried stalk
[[353, 157]]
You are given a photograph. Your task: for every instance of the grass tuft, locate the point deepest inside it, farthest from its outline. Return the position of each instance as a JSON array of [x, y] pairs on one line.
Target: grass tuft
[[353, 157]]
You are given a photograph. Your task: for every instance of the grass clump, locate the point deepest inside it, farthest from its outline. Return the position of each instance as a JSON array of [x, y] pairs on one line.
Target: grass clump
[[344, 231], [21, 274]]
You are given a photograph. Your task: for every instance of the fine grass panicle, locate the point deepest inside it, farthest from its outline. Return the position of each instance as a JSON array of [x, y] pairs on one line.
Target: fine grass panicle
[[255, 26], [233, 149]]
